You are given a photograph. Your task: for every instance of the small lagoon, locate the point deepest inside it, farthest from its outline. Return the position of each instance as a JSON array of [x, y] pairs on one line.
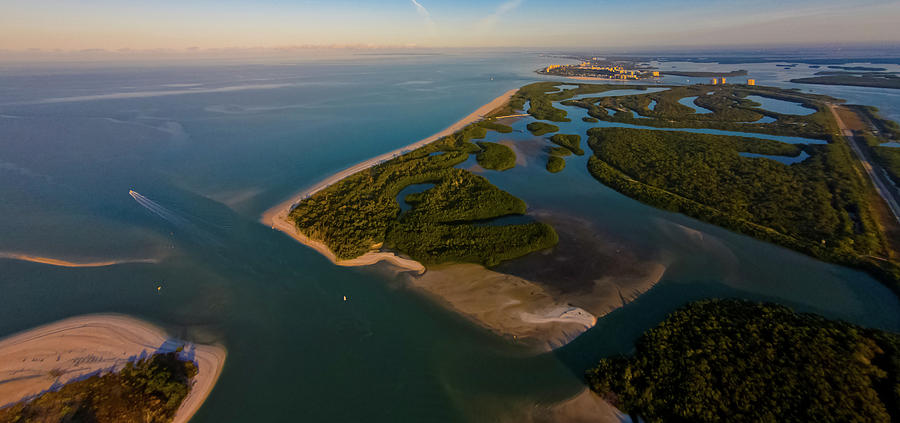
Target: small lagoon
[[781, 106], [689, 101]]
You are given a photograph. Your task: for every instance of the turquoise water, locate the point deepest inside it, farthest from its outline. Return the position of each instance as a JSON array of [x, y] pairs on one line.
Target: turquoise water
[[213, 145], [781, 106]]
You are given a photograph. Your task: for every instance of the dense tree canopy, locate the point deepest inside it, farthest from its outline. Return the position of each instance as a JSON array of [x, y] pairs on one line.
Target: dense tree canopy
[[147, 391], [736, 361]]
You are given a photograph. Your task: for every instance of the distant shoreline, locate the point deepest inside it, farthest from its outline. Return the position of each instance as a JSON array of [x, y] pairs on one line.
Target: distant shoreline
[[37, 359], [277, 217]]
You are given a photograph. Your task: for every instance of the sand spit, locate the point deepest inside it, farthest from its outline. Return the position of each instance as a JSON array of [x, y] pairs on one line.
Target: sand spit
[[277, 217], [65, 263], [508, 305], [45, 357]]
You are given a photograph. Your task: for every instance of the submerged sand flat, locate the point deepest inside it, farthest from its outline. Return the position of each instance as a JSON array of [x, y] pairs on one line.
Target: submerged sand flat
[[505, 304], [45, 357], [589, 268]]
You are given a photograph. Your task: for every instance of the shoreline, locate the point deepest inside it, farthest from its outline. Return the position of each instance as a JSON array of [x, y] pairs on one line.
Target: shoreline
[[277, 216], [39, 359]]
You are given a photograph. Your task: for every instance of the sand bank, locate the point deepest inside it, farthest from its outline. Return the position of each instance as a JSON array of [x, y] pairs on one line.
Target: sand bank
[[45, 357], [505, 304], [584, 407], [65, 263], [277, 217]]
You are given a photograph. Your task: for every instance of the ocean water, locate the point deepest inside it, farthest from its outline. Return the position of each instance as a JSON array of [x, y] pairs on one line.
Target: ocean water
[[211, 145]]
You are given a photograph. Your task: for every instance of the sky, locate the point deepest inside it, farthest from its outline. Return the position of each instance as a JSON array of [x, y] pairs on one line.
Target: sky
[[71, 25]]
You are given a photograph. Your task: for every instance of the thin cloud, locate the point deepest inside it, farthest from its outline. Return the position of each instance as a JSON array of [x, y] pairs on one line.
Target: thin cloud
[[504, 8], [426, 16]]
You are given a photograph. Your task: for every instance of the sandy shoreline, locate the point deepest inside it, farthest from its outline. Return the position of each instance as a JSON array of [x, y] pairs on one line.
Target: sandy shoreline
[[277, 217], [36, 360], [65, 263]]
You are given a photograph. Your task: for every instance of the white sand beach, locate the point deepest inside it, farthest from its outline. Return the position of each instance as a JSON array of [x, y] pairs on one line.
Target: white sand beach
[[277, 217], [42, 358]]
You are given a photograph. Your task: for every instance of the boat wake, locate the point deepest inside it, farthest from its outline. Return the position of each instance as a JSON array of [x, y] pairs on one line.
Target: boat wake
[[175, 219], [159, 210]]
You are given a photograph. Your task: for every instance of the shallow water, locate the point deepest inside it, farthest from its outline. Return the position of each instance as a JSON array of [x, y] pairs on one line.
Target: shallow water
[[780, 159], [576, 113], [238, 138], [689, 102], [781, 106]]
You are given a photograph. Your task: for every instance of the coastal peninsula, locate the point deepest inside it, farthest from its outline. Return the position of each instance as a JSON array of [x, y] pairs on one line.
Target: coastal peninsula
[[444, 225]]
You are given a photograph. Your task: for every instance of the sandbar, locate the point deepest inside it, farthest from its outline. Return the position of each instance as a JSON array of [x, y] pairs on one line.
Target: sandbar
[[66, 263], [277, 217], [505, 304], [48, 356]]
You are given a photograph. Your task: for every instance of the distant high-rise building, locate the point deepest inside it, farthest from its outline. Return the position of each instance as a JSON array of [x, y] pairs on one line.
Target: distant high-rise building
[[723, 80], [751, 82], [714, 81], [656, 74]]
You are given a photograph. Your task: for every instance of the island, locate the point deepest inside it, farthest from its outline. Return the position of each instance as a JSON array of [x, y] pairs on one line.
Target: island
[[738, 361], [882, 80], [104, 368]]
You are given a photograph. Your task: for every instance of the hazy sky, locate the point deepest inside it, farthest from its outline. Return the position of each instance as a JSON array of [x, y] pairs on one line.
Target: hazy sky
[[124, 24]]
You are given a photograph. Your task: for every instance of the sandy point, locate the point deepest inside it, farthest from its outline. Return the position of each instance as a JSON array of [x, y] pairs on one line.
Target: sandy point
[[46, 357], [277, 217]]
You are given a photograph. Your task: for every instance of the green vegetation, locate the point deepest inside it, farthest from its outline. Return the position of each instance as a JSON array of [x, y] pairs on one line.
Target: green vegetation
[[491, 125], [148, 391], [818, 206], [705, 74], [495, 156], [571, 142], [731, 110], [555, 163], [876, 81], [589, 119], [360, 213], [559, 151], [736, 361], [889, 157], [431, 232], [541, 128], [541, 103]]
